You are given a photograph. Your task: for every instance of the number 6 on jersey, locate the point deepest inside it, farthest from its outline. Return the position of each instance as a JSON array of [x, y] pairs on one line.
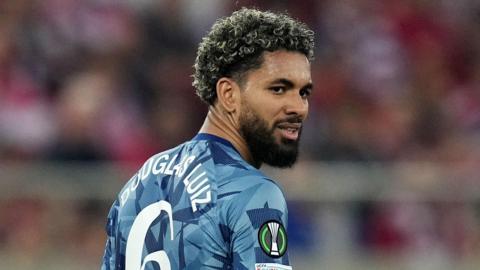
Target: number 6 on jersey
[[138, 232]]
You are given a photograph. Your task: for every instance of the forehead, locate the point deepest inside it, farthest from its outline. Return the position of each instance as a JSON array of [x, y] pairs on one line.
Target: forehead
[[293, 66]]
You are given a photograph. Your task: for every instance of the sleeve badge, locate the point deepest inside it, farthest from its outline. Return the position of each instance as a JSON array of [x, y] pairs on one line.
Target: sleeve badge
[[272, 238]]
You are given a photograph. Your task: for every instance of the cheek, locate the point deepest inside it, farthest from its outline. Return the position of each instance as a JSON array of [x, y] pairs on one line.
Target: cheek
[[258, 106], [307, 109], [266, 107], [271, 116]]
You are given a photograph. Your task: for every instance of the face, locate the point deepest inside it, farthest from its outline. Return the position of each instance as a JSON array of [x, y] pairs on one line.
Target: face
[[274, 104]]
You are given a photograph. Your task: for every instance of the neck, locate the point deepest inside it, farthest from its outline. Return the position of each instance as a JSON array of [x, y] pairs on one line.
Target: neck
[[221, 124]]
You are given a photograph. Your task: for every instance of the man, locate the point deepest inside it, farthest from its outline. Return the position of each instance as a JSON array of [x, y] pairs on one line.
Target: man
[[204, 204]]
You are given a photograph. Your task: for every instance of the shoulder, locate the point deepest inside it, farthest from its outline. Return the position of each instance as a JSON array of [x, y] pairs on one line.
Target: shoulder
[[260, 192], [254, 197], [246, 182], [259, 204]]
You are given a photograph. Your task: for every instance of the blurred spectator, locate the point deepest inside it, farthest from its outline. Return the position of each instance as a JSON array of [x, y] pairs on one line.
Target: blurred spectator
[[98, 120], [25, 119]]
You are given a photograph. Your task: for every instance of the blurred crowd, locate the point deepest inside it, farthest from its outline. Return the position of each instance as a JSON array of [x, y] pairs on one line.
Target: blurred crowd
[[110, 80]]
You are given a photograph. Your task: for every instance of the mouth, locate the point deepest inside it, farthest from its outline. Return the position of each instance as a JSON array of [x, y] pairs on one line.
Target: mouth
[[289, 131]]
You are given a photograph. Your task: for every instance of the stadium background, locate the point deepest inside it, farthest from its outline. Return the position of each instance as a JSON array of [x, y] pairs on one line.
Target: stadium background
[[389, 174]]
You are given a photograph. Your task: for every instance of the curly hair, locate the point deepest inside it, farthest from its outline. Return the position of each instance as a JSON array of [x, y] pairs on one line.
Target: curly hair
[[235, 45]]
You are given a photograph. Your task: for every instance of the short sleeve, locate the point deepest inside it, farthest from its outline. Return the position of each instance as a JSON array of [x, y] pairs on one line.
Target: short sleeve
[[109, 258], [258, 218]]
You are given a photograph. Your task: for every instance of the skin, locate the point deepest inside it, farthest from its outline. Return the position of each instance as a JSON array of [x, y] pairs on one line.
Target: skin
[[276, 91]]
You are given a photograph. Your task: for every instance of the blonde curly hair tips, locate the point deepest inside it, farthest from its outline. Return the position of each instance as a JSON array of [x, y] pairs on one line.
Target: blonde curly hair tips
[[235, 45]]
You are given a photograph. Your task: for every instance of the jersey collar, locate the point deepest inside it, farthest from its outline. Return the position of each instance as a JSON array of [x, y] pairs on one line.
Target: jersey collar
[[211, 137]]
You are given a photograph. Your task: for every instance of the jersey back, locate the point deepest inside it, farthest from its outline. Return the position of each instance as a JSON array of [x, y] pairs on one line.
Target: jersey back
[[198, 206]]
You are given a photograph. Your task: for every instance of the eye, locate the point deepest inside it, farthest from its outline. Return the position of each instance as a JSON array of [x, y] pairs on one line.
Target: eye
[[305, 93], [277, 89]]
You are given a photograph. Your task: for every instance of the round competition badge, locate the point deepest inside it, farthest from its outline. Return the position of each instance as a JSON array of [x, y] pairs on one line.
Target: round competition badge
[[272, 238]]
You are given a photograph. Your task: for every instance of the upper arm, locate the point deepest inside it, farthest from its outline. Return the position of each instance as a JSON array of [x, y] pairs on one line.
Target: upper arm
[[259, 226], [109, 259]]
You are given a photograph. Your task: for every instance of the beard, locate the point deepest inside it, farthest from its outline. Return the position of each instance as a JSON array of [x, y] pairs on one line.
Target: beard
[[261, 140]]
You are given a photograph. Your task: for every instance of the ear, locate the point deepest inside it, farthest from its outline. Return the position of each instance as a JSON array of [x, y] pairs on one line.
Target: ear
[[228, 94]]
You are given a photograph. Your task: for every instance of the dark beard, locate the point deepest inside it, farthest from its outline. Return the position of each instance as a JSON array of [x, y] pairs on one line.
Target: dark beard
[[261, 142]]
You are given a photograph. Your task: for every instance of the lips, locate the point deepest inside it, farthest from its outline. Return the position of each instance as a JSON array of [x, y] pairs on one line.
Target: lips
[[289, 131]]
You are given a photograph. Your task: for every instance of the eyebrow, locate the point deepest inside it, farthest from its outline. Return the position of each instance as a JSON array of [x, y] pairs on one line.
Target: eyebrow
[[288, 83]]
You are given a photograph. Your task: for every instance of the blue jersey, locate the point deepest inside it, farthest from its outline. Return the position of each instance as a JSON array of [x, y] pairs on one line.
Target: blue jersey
[[198, 206]]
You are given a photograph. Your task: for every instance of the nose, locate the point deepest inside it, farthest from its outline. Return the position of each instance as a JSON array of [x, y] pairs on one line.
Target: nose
[[296, 105]]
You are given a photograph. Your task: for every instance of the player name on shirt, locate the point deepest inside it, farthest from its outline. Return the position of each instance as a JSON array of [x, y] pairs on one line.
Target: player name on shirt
[[196, 182]]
